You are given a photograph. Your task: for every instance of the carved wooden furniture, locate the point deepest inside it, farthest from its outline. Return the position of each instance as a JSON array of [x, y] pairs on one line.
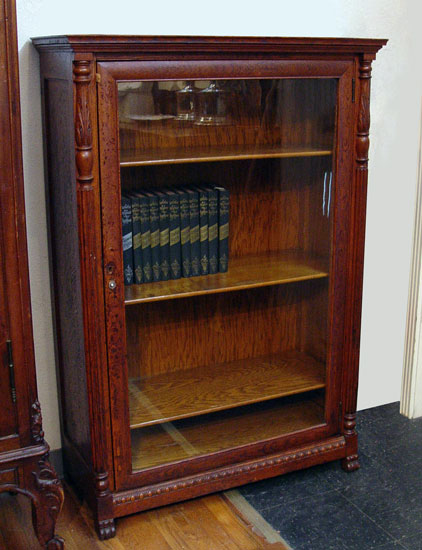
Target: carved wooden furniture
[[178, 388], [24, 466]]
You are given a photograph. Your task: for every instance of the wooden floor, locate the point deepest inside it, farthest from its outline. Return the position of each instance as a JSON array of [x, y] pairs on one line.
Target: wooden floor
[[208, 523]]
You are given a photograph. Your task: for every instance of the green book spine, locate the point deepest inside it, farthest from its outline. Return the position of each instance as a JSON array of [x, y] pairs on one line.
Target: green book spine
[[136, 240], [223, 228], [203, 231], [154, 222], [163, 208], [212, 229], [184, 232], [194, 232], [174, 226], [127, 241], [145, 237]]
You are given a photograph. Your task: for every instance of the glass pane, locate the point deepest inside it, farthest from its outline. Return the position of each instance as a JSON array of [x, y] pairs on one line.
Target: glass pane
[[227, 201]]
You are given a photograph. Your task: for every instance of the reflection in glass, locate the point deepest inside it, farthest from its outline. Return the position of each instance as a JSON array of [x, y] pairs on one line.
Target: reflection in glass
[[185, 101], [211, 105]]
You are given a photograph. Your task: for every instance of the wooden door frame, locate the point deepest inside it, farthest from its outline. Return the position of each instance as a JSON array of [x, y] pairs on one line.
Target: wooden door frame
[[111, 72]]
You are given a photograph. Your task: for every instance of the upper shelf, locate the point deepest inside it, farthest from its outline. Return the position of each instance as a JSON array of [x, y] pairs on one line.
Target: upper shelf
[[244, 272], [216, 154]]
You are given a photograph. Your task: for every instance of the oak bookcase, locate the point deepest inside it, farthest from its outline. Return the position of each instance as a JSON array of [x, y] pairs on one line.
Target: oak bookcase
[[178, 388]]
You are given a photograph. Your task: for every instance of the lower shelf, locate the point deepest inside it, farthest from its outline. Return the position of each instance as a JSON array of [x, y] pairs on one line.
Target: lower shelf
[[187, 393], [172, 442]]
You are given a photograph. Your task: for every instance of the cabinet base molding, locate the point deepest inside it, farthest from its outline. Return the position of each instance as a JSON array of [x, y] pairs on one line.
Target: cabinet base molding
[[152, 496]]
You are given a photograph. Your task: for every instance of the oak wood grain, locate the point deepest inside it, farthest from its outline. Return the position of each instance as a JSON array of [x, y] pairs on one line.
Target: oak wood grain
[[175, 395], [213, 329], [244, 272], [202, 435]]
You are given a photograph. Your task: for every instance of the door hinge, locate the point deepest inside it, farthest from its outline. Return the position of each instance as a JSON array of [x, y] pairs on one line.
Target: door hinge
[[11, 370], [353, 90], [97, 78], [340, 413]]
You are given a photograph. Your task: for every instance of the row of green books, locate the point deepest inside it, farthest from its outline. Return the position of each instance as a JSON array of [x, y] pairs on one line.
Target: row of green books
[[174, 233]]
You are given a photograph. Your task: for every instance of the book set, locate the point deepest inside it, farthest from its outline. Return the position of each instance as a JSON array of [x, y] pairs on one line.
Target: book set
[[174, 233]]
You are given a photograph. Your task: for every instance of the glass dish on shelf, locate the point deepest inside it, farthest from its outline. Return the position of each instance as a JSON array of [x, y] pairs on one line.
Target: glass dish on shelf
[[150, 117]]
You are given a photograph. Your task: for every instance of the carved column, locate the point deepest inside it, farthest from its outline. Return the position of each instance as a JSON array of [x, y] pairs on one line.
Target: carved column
[[89, 225], [105, 526], [351, 462], [82, 76]]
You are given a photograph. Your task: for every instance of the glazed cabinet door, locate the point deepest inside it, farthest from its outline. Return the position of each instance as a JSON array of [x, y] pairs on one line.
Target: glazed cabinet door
[[224, 190]]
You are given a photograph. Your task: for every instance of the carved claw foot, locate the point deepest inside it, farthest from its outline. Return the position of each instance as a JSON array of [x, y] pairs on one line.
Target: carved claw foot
[[350, 463], [106, 529], [47, 500], [55, 544]]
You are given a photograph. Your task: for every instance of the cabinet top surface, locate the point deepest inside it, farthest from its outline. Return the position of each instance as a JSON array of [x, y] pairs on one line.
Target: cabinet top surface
[[209, 44]]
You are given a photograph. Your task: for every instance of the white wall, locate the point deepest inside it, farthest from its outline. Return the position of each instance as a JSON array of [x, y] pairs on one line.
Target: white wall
[[396, 96]]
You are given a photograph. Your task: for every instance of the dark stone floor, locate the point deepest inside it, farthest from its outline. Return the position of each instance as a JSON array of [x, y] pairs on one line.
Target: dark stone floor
[[377, 507]]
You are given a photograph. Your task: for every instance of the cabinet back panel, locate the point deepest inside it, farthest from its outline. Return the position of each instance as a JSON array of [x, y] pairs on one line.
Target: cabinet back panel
[[207, 330], [286, 112], [274, 203], [314, 326]]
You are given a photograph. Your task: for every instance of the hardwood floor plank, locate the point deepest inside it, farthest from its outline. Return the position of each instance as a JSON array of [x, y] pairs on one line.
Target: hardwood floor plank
[[234, 531], [200, 524], [135, 532], [12, 516], [180, 531]]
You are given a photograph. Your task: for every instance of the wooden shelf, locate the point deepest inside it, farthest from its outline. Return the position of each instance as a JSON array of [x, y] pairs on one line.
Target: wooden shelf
[[245, 272], [215, 154], [191, 392], [167, 443]]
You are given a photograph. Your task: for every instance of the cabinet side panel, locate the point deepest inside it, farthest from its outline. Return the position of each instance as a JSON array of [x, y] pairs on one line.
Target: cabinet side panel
[[65, 262]]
